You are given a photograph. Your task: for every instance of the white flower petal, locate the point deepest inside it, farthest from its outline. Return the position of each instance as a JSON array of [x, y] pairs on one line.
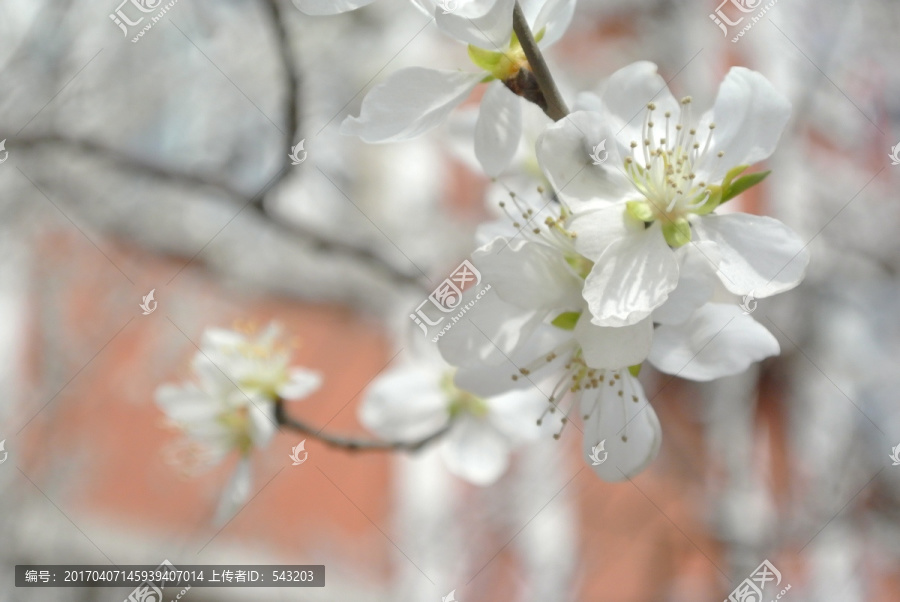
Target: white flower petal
[[529, 275], [498, 128], [426, 6], [409, 103], [236, 492], [598, 225], [554, 18], [515, 414], [760, 255], [482, 23], [633, 277], [262, 421], [405, 404], [564, 152], [475, 451], [696, 282], [719, 340], [212, 376], [614, 348], [187, 404], [630, 431], [492, 379], [219, 339], [626, 95], [488, 332], [749, 114], [329, 7], [302, 383]]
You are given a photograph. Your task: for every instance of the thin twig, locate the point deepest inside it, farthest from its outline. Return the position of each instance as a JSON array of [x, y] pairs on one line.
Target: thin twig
[[291, 74], [351, 443], [556, 106]]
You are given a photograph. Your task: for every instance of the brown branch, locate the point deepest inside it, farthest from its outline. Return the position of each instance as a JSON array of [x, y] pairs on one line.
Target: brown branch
[[556, 107], [351, 443], [291, 74], [128, 163]]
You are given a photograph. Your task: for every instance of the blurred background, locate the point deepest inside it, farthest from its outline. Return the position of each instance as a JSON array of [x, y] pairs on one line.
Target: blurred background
[[162, 164]]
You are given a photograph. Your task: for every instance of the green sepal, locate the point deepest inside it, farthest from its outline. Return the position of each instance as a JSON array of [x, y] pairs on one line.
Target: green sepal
[[635, 370], [677, 233], [580, 264], [486, 59], [566, 320], [640, 210], [743, 184], [732, 174], [713, 201]]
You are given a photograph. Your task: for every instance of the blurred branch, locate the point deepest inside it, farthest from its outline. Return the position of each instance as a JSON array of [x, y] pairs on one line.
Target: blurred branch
[[556, 107], [195, 181], [350, 443], [291, 73]]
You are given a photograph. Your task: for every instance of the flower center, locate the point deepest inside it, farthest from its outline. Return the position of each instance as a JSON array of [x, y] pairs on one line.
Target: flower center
[[661, 170], [579, 385]]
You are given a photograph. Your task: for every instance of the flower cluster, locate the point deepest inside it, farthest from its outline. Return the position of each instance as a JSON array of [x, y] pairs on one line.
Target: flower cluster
[[230, 406], [629, 261], [629, 255]]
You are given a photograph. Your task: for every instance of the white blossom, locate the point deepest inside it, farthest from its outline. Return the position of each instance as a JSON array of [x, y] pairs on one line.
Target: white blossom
[[657, 191], [230, 405], [415, 100], [419, 399]]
